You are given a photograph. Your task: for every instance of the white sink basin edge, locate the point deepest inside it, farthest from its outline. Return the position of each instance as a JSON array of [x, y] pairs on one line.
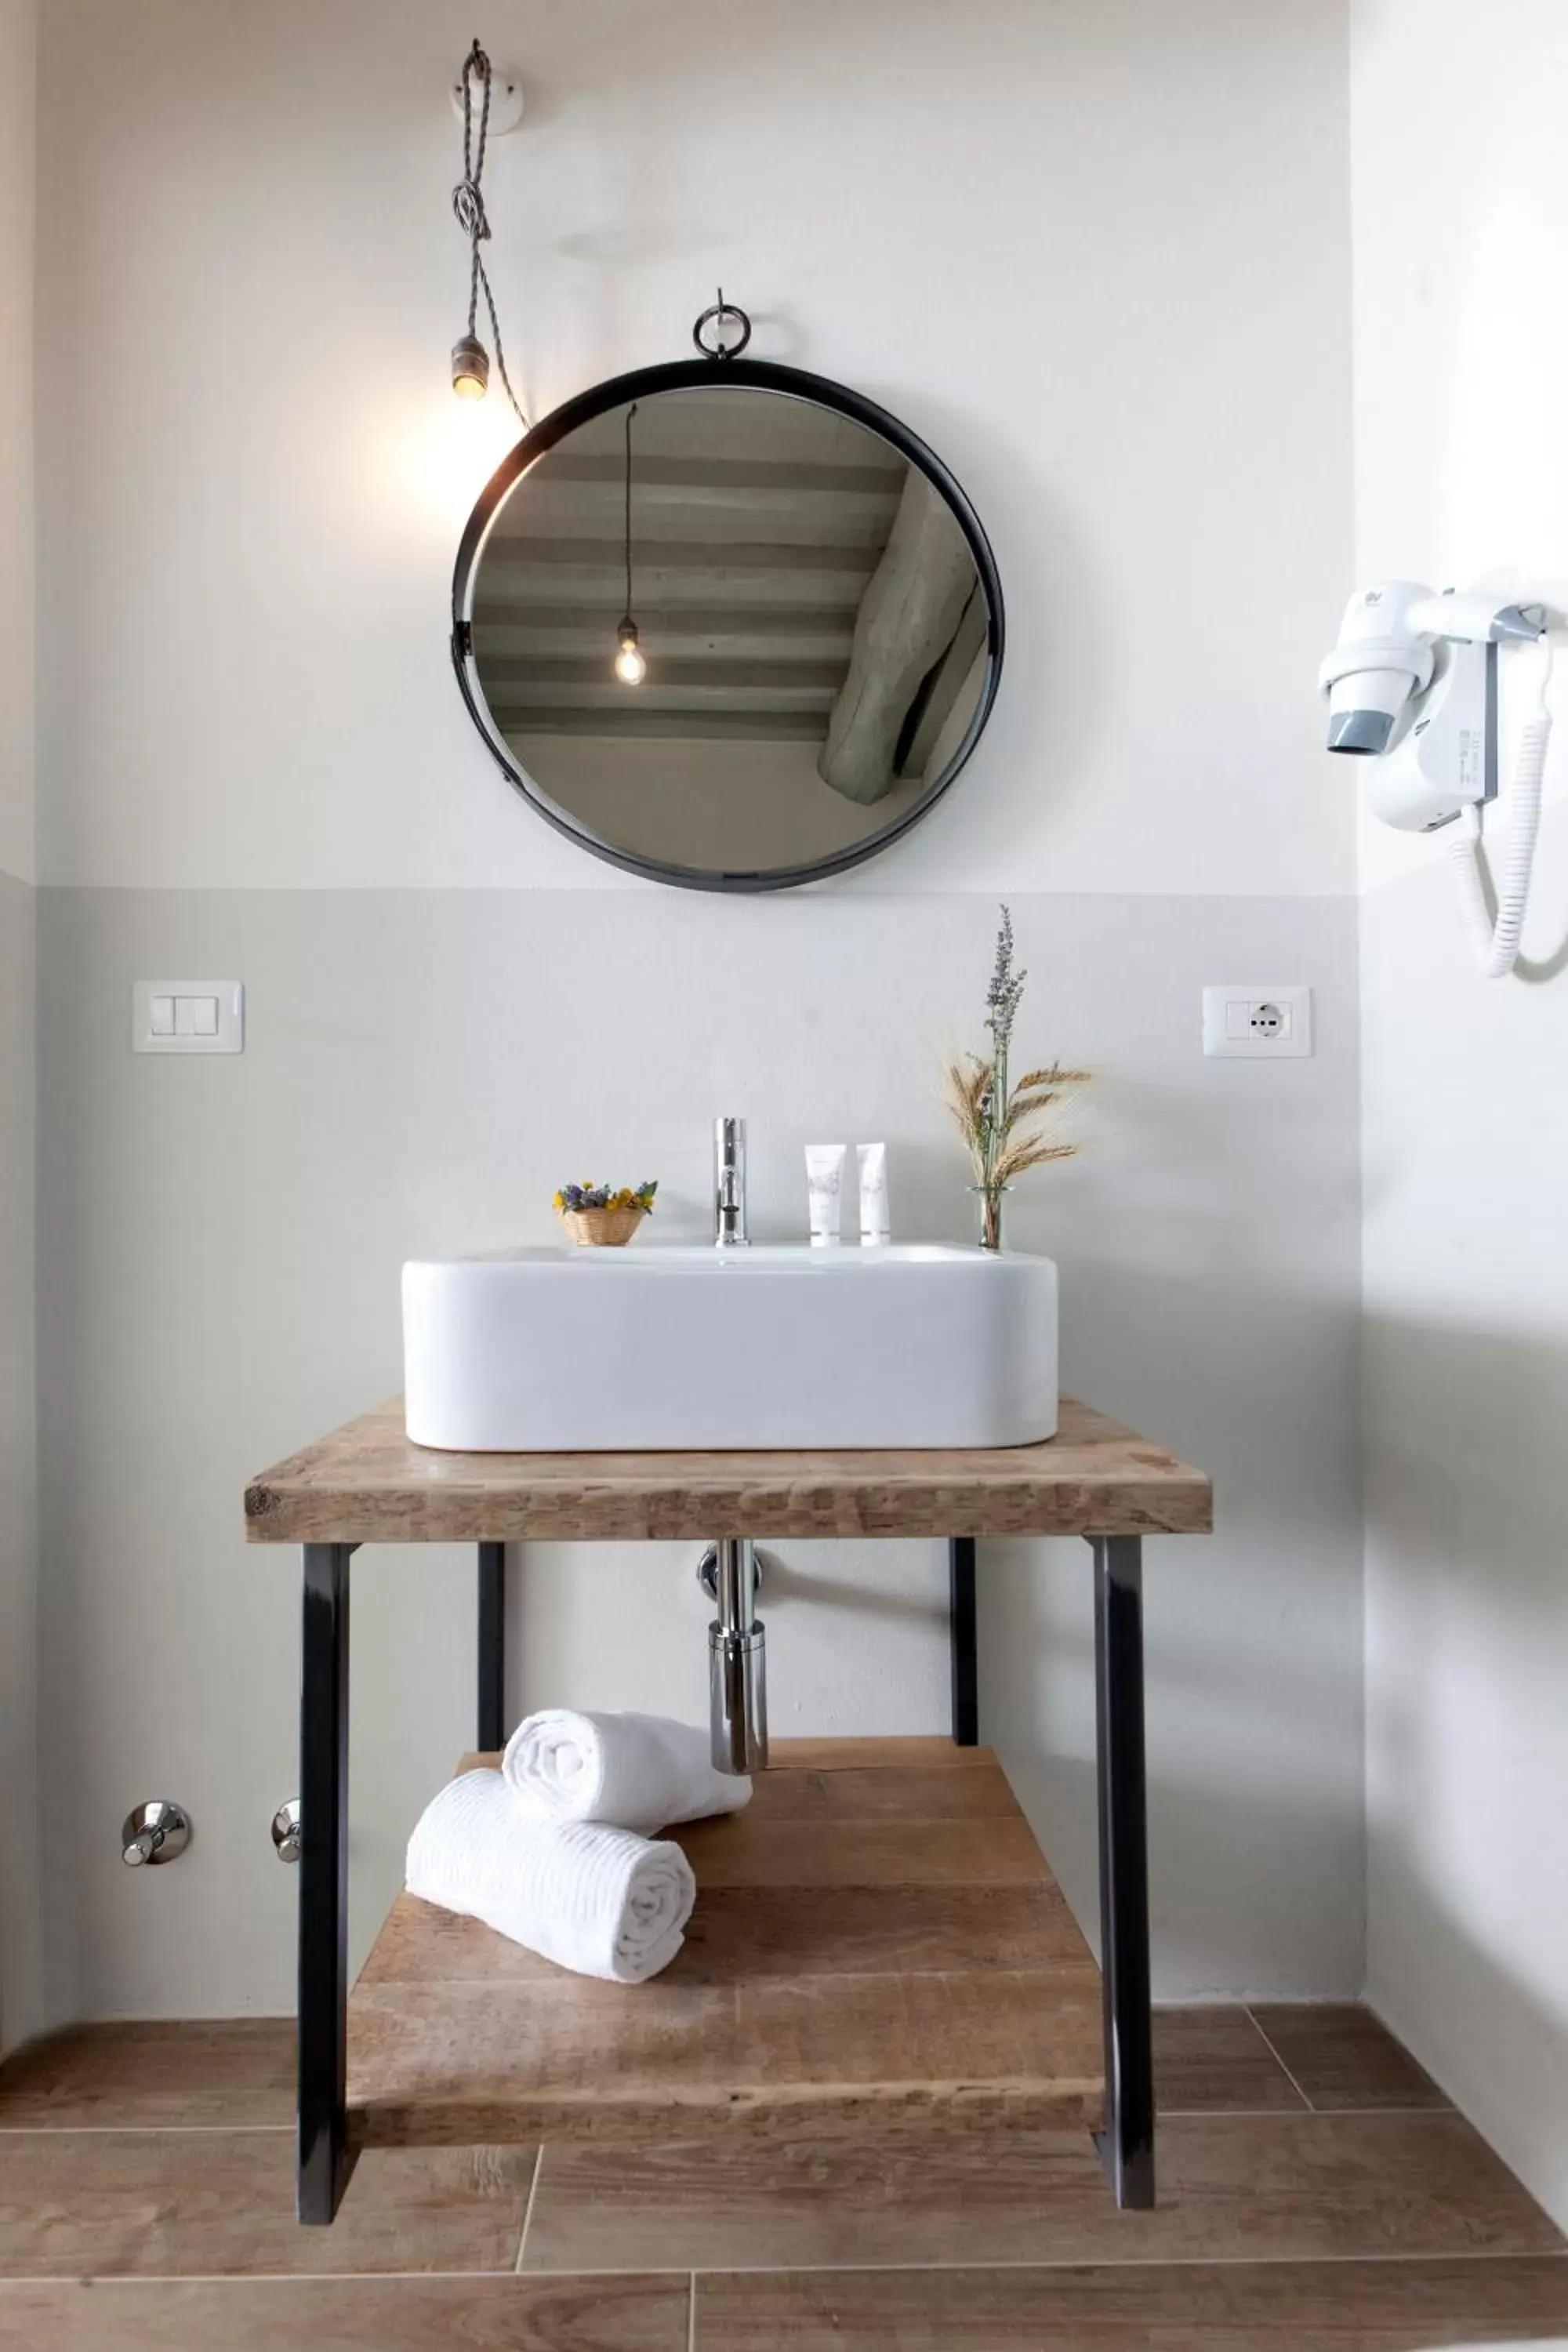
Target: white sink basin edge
[[659, 1347]]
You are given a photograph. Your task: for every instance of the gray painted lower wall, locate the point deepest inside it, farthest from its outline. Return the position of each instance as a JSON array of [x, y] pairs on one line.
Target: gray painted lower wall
[[220, 1242], [1465, 1124], [22, 2006]]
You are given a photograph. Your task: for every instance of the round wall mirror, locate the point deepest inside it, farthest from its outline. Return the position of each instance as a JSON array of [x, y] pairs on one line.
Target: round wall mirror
[[727, 624]]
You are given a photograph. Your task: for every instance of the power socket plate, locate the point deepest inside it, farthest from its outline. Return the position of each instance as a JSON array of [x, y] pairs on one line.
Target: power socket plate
[[1251, 1021]]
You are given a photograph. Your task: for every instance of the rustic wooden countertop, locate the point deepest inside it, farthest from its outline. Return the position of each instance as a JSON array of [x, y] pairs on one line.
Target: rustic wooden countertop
[[367, 1484]]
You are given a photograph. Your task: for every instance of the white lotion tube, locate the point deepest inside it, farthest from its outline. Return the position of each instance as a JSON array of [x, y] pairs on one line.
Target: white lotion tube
[[824, 1187], [872, 1160]]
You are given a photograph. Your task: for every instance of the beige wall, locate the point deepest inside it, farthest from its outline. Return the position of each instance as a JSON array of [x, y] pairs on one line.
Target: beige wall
[[254, 471], [255, 763], [1461, 352], [220, 1250], [20, 1956]]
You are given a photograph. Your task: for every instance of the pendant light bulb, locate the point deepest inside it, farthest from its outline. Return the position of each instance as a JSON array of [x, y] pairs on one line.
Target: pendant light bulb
[[630, 667], [470, 368]]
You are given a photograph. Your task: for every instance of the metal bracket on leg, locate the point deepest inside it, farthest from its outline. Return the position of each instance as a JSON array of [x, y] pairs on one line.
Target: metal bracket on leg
[[490, 1713], [961, 1641], [326, 2160], [1127, 2143]]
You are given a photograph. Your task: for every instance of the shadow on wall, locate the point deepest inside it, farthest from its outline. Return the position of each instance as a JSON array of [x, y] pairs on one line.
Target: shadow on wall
[[1466, 1439], [1524, 2070], [1468, 1732], [1251, 1843], [1536, 970], [1253, 1637]]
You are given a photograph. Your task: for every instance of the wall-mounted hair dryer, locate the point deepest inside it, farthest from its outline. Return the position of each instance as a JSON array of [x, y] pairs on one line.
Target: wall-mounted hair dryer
[[1412, 688]]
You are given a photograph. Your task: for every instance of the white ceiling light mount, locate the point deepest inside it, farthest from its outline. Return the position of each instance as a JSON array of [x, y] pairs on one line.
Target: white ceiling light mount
[[506, 100]]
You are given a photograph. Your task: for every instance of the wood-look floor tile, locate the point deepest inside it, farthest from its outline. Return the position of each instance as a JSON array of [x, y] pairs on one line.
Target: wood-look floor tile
[[499, 2315], [1276, 2187], [220, 2071], [1263, 2307], [150, 2204], [1342, 2056], [1209, 2060]]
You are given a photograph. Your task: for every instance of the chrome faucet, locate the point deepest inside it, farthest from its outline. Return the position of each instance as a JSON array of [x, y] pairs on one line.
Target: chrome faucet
[[730, 1183], [737, 1656]]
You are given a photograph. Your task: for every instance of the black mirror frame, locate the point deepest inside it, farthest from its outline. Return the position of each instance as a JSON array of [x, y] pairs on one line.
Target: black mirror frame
[[761, 375]]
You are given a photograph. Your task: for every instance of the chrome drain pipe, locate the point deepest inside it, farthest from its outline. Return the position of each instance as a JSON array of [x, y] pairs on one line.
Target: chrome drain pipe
[[737, 1663]]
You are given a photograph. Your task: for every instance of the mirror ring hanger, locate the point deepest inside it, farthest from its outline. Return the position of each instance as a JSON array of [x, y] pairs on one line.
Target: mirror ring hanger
[[717, 312]]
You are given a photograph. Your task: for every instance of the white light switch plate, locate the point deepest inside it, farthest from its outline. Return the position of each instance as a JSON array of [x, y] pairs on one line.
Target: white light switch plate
[[187, 1016], [1253, 1022]]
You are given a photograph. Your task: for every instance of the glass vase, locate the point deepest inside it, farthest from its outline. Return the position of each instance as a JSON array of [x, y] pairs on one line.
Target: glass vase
[[989, 1198]]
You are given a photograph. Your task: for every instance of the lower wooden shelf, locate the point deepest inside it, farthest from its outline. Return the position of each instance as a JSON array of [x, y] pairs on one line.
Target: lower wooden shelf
[[878, 1941]]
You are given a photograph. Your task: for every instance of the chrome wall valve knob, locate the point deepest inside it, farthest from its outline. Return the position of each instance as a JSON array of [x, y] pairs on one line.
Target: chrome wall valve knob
[[159, 1831]]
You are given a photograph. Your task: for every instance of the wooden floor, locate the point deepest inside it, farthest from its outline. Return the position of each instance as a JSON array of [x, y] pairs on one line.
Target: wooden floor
[[1317, 2195]]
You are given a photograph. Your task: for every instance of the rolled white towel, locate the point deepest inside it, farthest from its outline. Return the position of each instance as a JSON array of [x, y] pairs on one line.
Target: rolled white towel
[[640, 1770], [584, 1895]]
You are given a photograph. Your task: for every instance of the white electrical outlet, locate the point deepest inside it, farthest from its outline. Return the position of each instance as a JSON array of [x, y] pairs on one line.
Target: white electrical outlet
[[1257, 1023]]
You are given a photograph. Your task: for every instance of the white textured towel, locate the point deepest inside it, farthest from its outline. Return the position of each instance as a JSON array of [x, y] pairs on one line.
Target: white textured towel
[[586, 1896], [641, 1771]]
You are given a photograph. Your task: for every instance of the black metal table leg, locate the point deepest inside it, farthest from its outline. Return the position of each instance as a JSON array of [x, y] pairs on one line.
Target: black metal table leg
[[1127, 2143], [325, 2158], [491, 1711], [961, 1636]]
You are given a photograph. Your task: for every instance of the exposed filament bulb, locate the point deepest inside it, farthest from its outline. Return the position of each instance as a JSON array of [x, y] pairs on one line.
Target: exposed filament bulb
[[631, 668]]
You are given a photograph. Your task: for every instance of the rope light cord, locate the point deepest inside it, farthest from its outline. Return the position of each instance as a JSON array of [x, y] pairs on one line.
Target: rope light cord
[[630, 413], [468, 209]]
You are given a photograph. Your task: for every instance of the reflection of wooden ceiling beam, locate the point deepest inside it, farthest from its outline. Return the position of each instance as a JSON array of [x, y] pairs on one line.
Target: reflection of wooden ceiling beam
[[624, 723], [789, 517], [505, 557], [817, 584], [818, 593], [505, 678], [717, 473], [588, 704], [735, 632]]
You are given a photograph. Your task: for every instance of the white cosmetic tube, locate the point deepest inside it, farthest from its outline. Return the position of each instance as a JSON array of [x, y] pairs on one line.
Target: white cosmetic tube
[[872, 1160], [824, 1187]]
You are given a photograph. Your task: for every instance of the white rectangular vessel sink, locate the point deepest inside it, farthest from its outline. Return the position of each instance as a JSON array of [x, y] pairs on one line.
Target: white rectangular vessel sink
[[576, 1350]]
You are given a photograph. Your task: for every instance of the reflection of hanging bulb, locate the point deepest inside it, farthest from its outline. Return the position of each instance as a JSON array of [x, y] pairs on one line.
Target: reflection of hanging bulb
[[470, 368], [630, 667]]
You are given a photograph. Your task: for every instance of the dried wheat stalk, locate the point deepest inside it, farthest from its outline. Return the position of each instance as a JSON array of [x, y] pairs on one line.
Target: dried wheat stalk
[[1005, 1127]]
